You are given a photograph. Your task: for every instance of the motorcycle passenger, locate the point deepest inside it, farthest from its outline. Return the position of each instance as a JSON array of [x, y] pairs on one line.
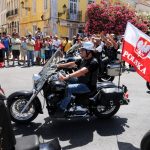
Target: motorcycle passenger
[[85, 78]]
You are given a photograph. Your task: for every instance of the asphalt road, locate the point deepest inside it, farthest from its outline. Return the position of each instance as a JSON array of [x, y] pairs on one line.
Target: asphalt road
[[122, 132]]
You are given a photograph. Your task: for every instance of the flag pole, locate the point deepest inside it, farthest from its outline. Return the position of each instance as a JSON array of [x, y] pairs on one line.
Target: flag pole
[[120, 65]]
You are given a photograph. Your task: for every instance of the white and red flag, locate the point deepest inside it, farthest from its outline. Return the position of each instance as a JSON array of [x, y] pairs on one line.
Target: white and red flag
[[136, 50]]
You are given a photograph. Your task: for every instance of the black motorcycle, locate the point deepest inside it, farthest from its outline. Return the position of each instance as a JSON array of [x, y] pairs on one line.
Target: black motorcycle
[[104, 102], [8, 140], [145, 143]]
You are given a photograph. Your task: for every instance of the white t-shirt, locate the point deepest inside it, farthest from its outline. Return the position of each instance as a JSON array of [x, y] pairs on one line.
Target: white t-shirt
[[56, 43], [30, 47], [100, 47], [16, 43]]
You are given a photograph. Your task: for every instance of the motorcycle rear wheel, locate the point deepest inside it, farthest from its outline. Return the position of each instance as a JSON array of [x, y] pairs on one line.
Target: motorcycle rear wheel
[[15, 107], [145, 143], [104, 112]]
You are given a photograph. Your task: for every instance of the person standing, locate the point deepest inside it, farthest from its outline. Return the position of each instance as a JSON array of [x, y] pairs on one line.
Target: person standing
[[30, 49], [66, 45], [39, 33], [56, 44], [37, 50], [48, 46], [23, 49], [5, 42], [16, 42]]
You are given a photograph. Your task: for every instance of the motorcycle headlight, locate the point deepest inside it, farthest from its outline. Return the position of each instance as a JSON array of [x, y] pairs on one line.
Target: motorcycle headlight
[[36, 77]]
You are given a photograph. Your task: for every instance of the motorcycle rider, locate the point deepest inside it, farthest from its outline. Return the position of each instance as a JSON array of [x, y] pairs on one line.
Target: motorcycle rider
[[85, 78]]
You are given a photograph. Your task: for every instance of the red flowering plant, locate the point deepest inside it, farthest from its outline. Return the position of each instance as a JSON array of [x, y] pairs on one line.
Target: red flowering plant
[[112, 18]]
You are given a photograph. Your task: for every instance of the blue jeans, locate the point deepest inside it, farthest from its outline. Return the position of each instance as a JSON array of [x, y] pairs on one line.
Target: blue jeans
[[73, 88], [30, 56]]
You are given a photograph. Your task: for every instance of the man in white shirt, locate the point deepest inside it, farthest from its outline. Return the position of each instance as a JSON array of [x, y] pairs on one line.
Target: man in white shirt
[[30, 49], [56, 44], [16, 43]]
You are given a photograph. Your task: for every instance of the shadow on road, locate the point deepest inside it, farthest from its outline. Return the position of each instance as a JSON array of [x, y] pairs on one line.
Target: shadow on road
[[148, 92], [126, 146], [77, 132]]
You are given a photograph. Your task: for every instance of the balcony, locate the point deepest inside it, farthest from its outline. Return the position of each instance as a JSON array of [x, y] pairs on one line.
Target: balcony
[[12, 13], [16, 11], [7, 14], [74, 17]]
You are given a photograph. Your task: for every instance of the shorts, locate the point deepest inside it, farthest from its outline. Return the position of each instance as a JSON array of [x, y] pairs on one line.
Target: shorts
[[23, 52], [15, 53], [37, 54]]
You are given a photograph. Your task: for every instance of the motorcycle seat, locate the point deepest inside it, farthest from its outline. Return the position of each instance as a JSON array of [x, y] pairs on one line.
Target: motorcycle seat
[[30, 142], [101, 85]]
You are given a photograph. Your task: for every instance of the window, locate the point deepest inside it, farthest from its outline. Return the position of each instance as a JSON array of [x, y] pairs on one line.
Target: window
[[26, 5], [90, 1], [73, 6], [34, 6], [45, 4]]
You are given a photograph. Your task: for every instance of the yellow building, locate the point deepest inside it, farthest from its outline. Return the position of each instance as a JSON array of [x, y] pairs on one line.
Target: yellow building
[[62, 17], [34, 14]]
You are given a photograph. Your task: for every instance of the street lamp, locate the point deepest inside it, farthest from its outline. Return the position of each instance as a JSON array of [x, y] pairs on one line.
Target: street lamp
[[64, 11], [22, 5], [61, 13]]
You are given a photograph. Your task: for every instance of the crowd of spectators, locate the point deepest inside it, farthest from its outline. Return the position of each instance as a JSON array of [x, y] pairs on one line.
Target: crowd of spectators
[[36, 50]]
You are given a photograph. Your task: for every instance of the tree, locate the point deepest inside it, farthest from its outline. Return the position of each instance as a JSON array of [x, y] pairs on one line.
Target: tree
[[112, 18]]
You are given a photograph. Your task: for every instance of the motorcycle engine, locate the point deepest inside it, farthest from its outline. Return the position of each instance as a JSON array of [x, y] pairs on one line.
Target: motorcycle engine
[[58, 86]]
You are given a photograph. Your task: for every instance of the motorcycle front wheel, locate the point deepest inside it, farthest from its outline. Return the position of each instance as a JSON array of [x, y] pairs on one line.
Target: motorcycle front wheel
[[16, 105], [105, 112], [145, 143], [148, 85]]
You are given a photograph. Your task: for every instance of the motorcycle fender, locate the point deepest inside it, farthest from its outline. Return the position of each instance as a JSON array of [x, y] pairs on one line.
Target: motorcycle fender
[[26, 94], [2, 97]]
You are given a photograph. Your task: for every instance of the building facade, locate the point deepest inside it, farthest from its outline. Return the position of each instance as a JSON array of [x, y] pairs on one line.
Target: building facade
[[140, 5], [3, 10], [62, 17], [143, 6], [68, 16], [12, 16], [34, 14], [65, 18]]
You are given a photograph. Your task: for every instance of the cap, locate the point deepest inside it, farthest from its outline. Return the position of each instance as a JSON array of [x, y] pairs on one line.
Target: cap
[[55, 36], [88, 46]]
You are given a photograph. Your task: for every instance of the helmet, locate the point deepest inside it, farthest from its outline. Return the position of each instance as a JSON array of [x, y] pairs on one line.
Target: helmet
[[89, 46]]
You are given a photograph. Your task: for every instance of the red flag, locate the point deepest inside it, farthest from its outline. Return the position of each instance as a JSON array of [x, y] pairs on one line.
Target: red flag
[[1, 45], [136, 50]]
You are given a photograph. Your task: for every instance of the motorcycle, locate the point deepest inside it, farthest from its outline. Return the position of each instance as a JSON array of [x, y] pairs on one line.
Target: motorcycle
[[8, 140], [148, 85], [145, 142], [104, 102]]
